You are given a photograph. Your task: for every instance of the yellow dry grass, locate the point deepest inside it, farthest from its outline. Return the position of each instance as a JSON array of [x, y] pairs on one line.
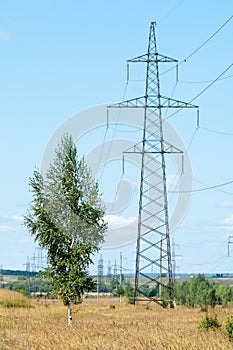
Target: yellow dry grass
[[97, 325]]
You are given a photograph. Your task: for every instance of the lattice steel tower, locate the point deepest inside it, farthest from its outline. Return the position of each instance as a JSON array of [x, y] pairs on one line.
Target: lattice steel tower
[[153, 258]]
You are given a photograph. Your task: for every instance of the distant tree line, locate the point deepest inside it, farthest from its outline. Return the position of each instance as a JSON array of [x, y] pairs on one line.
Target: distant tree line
[[6, 272], [195, 291], [28, 285], [202, 292]]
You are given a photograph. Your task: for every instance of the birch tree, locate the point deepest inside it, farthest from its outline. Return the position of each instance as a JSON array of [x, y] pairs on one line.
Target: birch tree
[[66, 218]]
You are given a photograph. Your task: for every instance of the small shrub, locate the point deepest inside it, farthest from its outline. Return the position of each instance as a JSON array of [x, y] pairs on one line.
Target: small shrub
[[129, 294], [203, 308], [229, 327], [210, 322], [164, 304], [112, 306]]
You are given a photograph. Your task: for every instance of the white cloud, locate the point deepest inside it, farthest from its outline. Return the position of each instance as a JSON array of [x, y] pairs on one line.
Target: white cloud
[[5, 35], [228, 220], [118, 236], [16, 217], [5, 228], [226, 204], [12, 218], [228, 223], [118, 221]]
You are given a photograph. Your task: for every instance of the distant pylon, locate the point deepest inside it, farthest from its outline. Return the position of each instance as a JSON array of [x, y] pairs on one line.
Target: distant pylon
[[1, 277], [28, 264], [115, 268], [153, 240], [101, 267], [109, 273]]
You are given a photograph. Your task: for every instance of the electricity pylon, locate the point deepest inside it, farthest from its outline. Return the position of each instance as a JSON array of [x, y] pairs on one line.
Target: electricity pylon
[[153, 256]]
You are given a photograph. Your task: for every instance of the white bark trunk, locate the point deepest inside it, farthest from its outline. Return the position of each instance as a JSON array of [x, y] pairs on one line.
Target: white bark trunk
[[69, 314]]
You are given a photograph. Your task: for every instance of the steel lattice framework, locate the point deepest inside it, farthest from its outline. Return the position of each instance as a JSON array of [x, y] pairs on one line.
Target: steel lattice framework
[[153, 256]]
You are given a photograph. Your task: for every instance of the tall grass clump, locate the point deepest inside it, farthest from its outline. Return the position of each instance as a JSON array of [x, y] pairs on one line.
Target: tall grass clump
[[10, 299]]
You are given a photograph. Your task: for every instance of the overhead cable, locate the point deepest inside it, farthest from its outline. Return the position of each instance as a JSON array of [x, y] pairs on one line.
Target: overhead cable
[[205, 188], [200, 47], [202, 91]]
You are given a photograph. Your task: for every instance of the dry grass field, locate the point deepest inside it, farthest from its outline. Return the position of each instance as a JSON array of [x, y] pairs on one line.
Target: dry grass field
[[98, 325]]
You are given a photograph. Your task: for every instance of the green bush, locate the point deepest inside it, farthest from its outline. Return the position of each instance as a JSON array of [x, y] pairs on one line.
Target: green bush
[[229, 327], [210, 322], [129, 294]]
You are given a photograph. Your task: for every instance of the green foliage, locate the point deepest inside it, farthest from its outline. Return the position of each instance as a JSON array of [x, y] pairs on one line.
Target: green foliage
[[26, 286], [114, 285], [66, 218], [210, 322], [120, 290], [202, 292], [114, 282], [22, 278], [68, 272], [229, 327], [224, 294], [145, 290], [129, 293]]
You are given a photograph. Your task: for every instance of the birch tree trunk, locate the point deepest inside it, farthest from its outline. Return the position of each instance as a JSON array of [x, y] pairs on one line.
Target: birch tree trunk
[[69, 314]]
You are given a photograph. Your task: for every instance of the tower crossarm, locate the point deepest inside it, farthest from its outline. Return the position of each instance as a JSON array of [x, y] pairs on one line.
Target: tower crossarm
[[152, 101], [170, 149], [138, 102], [155, 57], [167, 102]]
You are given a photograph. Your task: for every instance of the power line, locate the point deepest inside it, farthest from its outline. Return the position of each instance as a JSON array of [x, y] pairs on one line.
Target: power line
[[172, 10], [111, 141], [203, 81], [192, 139], [201, 46], [193, 53], [205, 42], [202, 91], [216, 189], [214, 81], [219, 263], [205, 188], [217, 132]]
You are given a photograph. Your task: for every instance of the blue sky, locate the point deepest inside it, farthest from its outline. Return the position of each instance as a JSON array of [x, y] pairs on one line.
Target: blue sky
[[60, 58]]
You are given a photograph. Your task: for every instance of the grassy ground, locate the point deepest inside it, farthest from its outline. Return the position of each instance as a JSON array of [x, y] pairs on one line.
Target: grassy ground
[[105, 325]]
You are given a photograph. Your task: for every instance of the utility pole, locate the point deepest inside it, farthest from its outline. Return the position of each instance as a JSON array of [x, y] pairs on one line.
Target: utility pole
[[98, 286], [100, 275], [1, 277], [115, 269], [153, 239], [174, 256], [121, 278], [39, 258], [28, 264], [109, 273], [230, 241]]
